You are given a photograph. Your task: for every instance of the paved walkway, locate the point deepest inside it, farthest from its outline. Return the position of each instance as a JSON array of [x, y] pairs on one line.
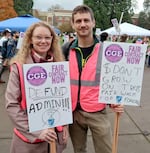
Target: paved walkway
[[134, 131]]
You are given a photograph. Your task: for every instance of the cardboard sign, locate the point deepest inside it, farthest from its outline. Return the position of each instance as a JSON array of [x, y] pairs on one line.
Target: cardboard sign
[[47, 87], [21, 35], [122, 73], [115, 24], [98, 31]]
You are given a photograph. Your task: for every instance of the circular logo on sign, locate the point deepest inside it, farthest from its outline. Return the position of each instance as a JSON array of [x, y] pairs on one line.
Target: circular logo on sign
[[114, 53], [36, 75]]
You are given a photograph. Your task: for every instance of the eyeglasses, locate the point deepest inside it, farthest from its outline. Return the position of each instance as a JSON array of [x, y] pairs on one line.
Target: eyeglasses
[[40, 38]]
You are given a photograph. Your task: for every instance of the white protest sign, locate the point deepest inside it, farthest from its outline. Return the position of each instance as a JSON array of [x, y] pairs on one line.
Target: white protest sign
[[98, 31], [47, 87], [115, 24], [122, 73], [21, 35]]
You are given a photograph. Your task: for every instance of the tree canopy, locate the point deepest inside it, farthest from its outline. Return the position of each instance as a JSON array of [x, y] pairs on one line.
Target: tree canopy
[[7, 10], [23, 7], [105, 10], [146, 5], [55, 7], [144, 16]]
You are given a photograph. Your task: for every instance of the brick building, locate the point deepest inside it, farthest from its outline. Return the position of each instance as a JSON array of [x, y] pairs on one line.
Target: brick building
[[59, 17], [55, 17]]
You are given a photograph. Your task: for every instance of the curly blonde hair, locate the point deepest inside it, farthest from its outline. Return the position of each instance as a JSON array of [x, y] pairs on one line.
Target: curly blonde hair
[[26, 46]]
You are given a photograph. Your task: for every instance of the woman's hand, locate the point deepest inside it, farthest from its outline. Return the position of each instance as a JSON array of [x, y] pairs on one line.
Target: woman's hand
[[48, 135]]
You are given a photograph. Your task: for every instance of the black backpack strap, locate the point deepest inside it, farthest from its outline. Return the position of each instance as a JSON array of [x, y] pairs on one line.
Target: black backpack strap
[[66, 49]]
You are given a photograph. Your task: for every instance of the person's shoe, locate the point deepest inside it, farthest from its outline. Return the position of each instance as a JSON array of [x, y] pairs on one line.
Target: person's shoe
[[1, 81]]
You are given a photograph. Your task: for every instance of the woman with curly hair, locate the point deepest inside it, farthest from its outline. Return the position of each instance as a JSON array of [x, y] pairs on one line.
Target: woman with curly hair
[[40, 44]]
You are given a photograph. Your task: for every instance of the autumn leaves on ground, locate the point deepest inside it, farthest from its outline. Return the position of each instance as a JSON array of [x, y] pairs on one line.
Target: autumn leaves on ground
[[7, 9]]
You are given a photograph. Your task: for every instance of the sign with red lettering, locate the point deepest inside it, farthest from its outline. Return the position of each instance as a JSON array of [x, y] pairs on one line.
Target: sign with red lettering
[[122, 73], [47, 87]]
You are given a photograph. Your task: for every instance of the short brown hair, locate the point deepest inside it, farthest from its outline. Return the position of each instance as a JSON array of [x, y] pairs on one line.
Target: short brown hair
[[82, 9]]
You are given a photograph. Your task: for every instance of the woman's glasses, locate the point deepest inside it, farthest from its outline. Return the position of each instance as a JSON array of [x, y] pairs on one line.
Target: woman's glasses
[[40, 38]]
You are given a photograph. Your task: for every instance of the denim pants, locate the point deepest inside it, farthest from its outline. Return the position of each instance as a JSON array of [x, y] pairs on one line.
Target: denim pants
[[100, 128]]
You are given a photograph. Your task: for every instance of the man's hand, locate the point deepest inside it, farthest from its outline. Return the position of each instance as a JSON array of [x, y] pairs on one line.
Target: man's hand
[[117, 108]]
